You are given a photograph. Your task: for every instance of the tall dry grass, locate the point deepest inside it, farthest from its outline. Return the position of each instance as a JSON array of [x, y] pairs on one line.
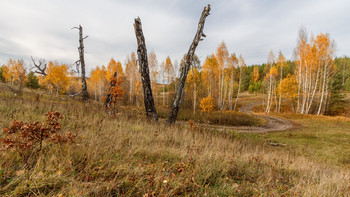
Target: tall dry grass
[[128, 156]]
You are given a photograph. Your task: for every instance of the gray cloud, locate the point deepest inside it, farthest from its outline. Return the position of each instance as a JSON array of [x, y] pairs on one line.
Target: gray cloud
[[254, 27]]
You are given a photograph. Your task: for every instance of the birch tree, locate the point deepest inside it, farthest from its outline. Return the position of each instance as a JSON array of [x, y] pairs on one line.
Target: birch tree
[[222, 55], [270, 81], [241, 64], [281, 63]]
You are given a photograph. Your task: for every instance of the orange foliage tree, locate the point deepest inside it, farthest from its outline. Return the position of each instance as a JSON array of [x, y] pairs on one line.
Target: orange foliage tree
[[115, 92], [14, 72], [288, 88], [57, 78]]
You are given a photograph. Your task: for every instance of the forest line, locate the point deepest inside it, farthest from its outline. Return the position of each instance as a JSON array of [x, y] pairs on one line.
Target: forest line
[[312, 83]]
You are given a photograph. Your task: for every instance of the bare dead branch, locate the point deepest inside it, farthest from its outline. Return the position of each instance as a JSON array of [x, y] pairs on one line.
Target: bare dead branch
[[40, 68]]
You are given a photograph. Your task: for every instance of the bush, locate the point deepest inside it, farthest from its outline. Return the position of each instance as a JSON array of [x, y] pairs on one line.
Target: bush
[[23, 136], [32, 81]]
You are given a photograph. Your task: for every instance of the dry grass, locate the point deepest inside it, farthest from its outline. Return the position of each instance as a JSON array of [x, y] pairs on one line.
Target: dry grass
[[132, 157]]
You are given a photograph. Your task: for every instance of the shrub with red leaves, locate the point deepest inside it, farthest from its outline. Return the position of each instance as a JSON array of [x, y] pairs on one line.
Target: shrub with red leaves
[[24, 136]]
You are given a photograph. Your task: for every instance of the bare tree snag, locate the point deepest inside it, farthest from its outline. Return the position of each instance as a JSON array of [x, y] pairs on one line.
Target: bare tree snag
[[109, 98], [82, 63], [40, 68], [184, 70], [151, 112]]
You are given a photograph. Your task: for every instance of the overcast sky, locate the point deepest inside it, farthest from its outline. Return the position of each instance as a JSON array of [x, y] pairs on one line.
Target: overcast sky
[[42, 28]]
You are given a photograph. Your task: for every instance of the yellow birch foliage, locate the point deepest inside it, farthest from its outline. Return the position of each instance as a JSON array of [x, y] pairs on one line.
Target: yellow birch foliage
[[113, 67], [209, 74], [14, 72], [273, 71], [57, 78], [98, 82]]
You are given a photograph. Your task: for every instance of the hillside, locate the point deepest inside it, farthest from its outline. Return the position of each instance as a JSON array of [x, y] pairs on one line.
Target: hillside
[[127, 155]]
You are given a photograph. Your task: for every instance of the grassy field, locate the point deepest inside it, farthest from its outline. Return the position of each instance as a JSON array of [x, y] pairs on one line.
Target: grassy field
[[130, 156]]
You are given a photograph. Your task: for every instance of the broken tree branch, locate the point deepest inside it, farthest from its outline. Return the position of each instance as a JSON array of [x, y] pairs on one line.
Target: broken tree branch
[[151, 112], [184, 70]]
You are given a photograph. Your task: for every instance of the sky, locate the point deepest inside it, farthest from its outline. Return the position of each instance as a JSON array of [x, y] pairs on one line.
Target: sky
[[43, 29]]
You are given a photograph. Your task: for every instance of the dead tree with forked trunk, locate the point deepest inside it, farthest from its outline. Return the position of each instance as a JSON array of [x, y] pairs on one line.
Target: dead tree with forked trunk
[[81, 61], [40, 68], [184, 70], [151, 112]]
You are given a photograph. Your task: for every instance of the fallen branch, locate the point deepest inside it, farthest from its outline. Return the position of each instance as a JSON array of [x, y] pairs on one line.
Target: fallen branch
[[73, 95]]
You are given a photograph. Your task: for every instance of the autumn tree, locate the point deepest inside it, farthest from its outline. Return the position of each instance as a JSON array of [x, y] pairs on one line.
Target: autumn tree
[[154, 72], [14, 72], [232, 65], [281, 63], [169, 75], [57, 78], [131, 72], [115, 93], [241, 65], [271, 81], [192, 83], [113, 67], [98, 81], [314, 70], [288, 88], [222, 56], [209, 74], [255, 74]]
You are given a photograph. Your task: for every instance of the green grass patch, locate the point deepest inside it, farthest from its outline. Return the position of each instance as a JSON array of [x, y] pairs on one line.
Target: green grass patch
[[326, 139]]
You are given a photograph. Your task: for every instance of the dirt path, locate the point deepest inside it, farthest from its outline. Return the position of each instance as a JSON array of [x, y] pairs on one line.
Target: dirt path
[[273, 124]]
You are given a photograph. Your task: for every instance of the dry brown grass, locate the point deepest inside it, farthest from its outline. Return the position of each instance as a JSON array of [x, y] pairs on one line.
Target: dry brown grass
[[130, 156]]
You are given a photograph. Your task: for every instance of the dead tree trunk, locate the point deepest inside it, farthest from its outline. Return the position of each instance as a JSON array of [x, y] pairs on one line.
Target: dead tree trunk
[[109, 98], [185, 68], [151, 112], [82, 63]]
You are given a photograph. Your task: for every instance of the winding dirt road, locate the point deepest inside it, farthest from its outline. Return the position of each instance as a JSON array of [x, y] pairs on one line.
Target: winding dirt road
[[273, 124]]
